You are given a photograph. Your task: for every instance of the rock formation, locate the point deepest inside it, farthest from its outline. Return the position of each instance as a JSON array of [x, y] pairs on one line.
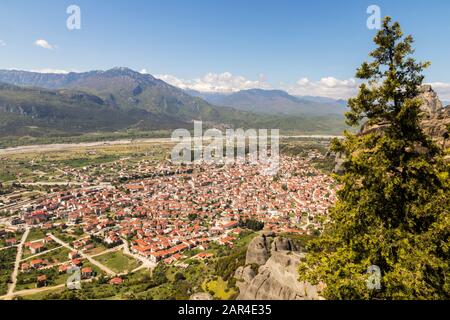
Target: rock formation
[[201, 296], [436, 127], [437, 118], [258, 251], [431, 105], [277, 277]]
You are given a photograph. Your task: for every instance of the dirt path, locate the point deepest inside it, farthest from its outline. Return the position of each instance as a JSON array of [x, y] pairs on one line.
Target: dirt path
[[107, 251], [12, 286], [88, 257], [40, 254], [28, 292], [33, 291]]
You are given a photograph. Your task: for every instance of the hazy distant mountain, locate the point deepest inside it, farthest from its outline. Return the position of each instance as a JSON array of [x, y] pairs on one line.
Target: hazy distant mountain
[[118, 99], [446, 103], [212, 97], [274, 102], [341, 102]]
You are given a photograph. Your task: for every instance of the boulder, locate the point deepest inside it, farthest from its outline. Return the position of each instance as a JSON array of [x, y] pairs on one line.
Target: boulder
[[283, 244], [245, 274], [277, 278], [201, 296], [258, 251]]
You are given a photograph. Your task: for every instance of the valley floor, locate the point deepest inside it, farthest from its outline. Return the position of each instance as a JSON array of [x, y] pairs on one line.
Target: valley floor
[[140, 227]]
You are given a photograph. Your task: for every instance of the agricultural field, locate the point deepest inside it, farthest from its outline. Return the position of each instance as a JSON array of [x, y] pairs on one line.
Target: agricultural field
[[67, 235], [51, 166], [36, 234], [48, 246], [56, 255], [97, 249], [28, 280], [118, 262]]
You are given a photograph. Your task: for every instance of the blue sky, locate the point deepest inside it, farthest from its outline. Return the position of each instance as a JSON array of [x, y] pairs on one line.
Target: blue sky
[[304, 47]]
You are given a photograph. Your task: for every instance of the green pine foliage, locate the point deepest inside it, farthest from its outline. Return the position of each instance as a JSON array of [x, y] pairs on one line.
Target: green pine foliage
[[394, 201]]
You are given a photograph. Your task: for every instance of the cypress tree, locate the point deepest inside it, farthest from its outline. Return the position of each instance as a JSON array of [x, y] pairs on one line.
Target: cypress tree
[[394, 200]]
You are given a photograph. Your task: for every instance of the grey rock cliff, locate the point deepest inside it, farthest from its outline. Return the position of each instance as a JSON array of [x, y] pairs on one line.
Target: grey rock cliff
[[258, 251], [431, 105], [436, 127], [277, 277]]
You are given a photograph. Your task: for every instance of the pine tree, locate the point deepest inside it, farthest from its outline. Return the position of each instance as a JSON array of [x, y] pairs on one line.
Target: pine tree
[[394, 199]]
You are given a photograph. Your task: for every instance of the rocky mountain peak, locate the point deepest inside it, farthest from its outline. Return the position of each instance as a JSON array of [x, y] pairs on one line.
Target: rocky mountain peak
[[126, 72], [431, 103]]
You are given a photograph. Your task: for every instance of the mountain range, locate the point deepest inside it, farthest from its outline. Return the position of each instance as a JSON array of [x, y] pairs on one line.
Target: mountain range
[[36, 104], [274, 102]]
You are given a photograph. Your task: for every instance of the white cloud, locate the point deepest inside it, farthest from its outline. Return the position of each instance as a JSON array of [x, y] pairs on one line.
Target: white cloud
[[44, 44], [2, 43], [214, 82], [330, 87], [228, 83], [326, 87], [47, 70], [442, 89], [343, 89]]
